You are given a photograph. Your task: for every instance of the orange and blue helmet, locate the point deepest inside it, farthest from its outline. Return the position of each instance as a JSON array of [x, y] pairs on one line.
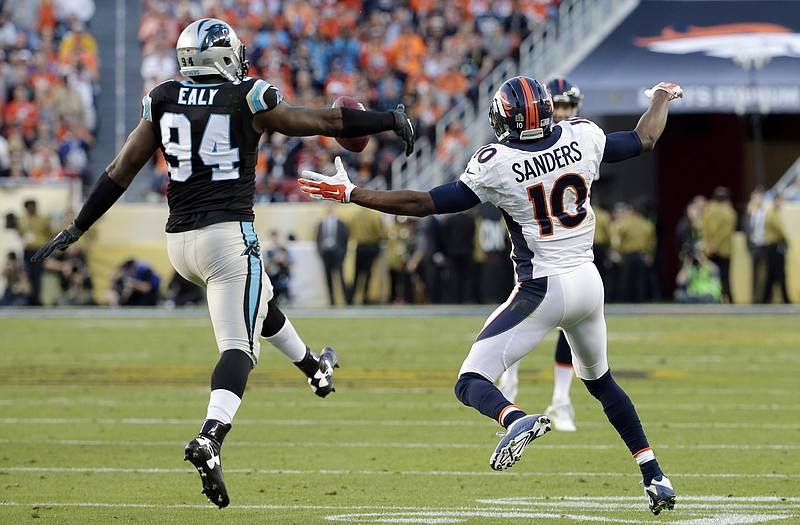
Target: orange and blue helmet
[[565, 92], [521, 110]]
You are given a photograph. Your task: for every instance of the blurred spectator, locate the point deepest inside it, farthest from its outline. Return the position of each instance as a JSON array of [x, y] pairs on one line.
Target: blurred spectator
[[698, 280], [407, 52], [22, 112], [635, 242], [159, 65], [71, 10], [82, 81], [75, 279], [366, 231], [16, 169], [496, 274], [332, 237], [688, 235], [78, 41], [754, 224], [775, 241], [45, 163], [18, 287], [8, 31], [459, 245], [602, 244], [453, 142], [400, 246], [278, 265], [431, 257], [182, 292], [135, 283], [718, 224], [158, 27], [75, 142], [35, 231]]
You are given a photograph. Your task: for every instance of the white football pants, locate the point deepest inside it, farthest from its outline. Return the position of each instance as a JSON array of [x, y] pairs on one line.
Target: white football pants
[[225, 258], [572, 301]]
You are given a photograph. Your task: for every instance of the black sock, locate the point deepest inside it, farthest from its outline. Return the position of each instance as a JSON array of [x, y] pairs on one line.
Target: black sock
[[231, 372]]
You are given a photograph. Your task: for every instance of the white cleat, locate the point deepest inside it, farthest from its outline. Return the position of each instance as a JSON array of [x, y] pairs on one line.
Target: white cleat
[[562, 416]]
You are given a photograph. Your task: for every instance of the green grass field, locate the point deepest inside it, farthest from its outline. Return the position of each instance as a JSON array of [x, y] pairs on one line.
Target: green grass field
[[95, 411]]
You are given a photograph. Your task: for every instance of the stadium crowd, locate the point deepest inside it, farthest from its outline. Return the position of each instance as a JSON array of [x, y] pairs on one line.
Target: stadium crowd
[[49, 69], [427, 54]]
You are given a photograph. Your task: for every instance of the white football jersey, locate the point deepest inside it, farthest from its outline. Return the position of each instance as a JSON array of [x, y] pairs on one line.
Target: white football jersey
[[543, 189]]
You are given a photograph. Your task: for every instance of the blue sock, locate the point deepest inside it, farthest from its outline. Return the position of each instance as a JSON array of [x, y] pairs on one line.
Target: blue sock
[[650, 470], [477, 392], [619, 410]]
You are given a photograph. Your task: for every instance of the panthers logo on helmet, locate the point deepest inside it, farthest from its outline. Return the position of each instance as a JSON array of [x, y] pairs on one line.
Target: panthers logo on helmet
[[217, 35], [211, 47]]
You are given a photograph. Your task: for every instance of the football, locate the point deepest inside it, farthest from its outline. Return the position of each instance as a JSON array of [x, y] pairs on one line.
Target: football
[[355, 144]]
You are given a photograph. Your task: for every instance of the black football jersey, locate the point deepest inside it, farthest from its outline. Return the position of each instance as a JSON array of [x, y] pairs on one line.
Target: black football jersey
[[211, 149]]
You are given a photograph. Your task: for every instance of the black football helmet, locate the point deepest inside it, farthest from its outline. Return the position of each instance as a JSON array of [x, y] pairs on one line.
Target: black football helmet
[[521, 110], [565, 92]]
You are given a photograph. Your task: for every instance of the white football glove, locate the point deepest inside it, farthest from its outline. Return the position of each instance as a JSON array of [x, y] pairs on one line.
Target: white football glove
[[335, 188], [673, 90]]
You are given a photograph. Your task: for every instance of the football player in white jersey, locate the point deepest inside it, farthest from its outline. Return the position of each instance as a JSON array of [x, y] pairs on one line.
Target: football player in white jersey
[[540, 176], [208, 127], [567, 99]]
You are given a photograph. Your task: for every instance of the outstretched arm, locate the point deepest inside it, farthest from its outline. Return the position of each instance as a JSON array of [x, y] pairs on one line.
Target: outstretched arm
[[339, 188], [301, 121], [652, 122], [398, 202]]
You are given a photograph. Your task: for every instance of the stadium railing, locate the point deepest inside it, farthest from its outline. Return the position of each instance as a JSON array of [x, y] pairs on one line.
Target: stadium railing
[[556, 47]]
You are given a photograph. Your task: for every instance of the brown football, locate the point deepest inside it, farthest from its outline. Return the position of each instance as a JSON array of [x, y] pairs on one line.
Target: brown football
[[355, 144]]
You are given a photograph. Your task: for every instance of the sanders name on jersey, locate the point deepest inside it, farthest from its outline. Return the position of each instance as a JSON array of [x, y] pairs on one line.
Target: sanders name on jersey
[[548, 161]]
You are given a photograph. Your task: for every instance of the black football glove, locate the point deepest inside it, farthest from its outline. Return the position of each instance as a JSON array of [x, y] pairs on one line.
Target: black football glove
[[403, 128], [61, 241]]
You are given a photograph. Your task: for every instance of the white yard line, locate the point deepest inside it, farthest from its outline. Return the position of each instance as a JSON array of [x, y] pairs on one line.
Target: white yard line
[[338, 472], [381, 444], [694, 510], [93, 401], [750, 425]]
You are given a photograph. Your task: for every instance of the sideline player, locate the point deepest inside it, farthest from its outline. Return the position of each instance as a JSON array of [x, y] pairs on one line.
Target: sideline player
[[208, 128], [540, 175], [567, 99]]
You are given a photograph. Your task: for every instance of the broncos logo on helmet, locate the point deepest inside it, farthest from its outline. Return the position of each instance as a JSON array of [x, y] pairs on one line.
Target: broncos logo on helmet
[[521, 110], [211, 47]]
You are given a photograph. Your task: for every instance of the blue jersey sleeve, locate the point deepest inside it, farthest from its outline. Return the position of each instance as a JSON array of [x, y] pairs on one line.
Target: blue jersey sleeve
[[622, 145], [453, 197]]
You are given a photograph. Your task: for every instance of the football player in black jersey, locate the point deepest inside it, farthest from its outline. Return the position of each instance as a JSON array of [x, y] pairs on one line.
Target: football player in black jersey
[[208, 128]]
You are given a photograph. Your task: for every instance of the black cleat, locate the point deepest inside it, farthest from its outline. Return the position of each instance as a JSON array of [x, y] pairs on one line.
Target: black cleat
[[319, 370], [204, 453]]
